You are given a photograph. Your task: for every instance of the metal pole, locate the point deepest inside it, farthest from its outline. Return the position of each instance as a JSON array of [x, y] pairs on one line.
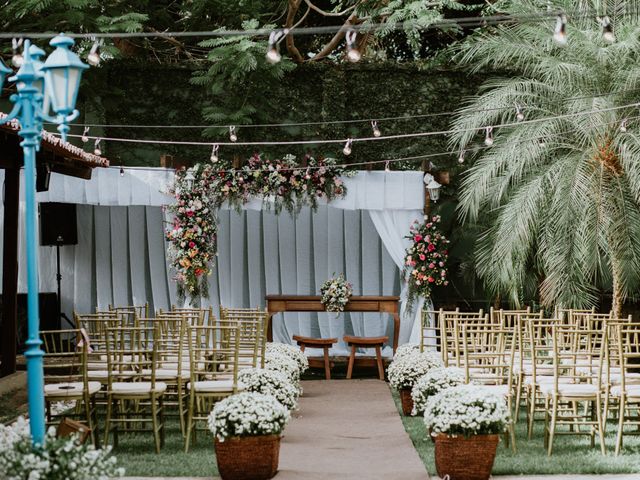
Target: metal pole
[[29, 132]]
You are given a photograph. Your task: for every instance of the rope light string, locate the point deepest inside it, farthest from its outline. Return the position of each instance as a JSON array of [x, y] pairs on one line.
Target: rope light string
[[352, 140], [519, 109], [402, 159], [475, 21]]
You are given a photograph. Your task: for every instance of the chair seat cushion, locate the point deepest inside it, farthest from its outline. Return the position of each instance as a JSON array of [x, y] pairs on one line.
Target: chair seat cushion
[[168, 373], [577, 390], [213, 386], [72, 389], [631, 391], [544, 379], [136, 388], [496, 389], [630, 378], [104, 375]]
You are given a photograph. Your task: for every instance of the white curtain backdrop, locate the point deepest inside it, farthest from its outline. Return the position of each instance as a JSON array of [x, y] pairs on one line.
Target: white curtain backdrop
[[120, 257]]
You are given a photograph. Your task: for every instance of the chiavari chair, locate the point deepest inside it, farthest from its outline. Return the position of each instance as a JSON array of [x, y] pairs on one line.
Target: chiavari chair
[[214, 370], [446, 326], [522, 362], [65, 376], [253, 324], [131, 311], [134, 395], [207, 313], [429, 329]]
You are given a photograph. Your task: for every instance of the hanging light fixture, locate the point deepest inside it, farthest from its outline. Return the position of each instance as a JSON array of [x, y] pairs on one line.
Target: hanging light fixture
[[273, 50], [85, 138], [347, 147], [488, 138], [560, 32], [353, 54], [607, 30], [461, 157], [623, 125], [17, 59], [376, 130], [232, 134], [96, 147], [93, 58], [519, 114], [433, 187], [121, 171], [387, 167], [189, 177], [214, 153]]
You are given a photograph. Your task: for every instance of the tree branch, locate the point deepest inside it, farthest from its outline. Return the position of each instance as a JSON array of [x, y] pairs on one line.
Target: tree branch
[[295, 54], [329, 14]]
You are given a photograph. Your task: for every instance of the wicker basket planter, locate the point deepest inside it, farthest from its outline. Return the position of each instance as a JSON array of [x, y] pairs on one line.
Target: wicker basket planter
[[407, 401], [465, 458], [248, 458]]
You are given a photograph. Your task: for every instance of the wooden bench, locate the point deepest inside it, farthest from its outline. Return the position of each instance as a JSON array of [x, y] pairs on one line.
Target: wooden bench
[[324, 343], [366, 342]]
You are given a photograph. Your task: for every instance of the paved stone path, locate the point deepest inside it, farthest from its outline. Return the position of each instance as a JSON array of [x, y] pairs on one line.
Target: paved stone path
[[348, 430]]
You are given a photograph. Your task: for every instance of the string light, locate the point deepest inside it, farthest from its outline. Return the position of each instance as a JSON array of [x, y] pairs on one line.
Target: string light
[[488, 138], [623, 125], [232, 134], [519, 114], [121, 171], [96, 147], [461, 157], [214, 153], [607, 30], [273, 50], [17, 59], [347, 147], [353, 54], [376, 130], [84, 137], [560, 33], [94, 54], [387, 168]]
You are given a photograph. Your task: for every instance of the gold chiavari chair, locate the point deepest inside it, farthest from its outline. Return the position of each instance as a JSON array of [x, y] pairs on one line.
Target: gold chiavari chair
[[253, 333], [94, 327], [193, 316], [65, 376], [573, 316], [509, 318], [522, 362], [134, 397], [214, 370], [613, 368], [445, 325], [487, 357], [577, 378], [453, 331], [140, 311], [429, 329], [208, 318], [627, 393]]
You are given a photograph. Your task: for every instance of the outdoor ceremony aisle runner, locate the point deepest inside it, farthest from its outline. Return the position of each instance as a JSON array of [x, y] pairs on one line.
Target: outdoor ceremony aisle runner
[[347, 429]]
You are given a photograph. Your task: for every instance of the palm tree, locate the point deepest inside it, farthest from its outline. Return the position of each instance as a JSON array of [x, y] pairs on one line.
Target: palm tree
[[559, 190]]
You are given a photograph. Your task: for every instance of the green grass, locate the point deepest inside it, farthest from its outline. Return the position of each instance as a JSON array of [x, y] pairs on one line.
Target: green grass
[[571, 454], [12, 405]]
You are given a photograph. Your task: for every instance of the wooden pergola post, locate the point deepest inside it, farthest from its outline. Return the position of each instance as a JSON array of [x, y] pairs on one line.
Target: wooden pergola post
[[10, 271]]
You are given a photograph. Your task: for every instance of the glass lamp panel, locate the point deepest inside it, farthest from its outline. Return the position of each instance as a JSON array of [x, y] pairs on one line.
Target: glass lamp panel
[[63, 86]]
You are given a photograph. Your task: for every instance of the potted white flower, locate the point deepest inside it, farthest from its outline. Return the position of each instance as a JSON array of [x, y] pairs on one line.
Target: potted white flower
[[432, 383], [404, 372], [290, 351], [270, 382], [466, 422], [279, 362], [247, 429], [58, 459], [406, 349]]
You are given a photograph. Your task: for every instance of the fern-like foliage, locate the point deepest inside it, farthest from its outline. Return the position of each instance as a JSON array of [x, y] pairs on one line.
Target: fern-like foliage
[[559, 196]]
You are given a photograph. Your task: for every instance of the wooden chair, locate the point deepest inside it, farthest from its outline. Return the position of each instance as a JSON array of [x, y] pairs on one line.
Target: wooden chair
[[324, 343], [65, 377], [214, 352], [429, 329], [134, 396], [253, 333], [131, 311], [366, 342]]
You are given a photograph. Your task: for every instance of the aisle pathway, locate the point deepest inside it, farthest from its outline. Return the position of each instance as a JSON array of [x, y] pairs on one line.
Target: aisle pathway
[[348, 429]]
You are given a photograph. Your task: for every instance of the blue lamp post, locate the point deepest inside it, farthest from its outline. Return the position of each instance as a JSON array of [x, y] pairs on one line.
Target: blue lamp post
[[40, 86]]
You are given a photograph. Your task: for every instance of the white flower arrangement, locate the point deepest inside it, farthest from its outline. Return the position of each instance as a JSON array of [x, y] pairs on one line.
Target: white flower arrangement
[[247, 414], [466, 410], [406, 349], [290, 351], [283, 364], [270, 382], [432, 383], [59, 458], [405, 372], [335, 293]]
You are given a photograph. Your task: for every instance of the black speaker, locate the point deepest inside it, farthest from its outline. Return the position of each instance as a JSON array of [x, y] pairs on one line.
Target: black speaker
[[58, 224], [43, 175]]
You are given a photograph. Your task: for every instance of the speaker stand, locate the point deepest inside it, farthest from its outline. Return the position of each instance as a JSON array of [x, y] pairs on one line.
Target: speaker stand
[[61, 315]]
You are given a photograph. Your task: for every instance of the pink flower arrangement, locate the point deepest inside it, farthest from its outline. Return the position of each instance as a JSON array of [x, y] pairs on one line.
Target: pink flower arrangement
[[426, 258]]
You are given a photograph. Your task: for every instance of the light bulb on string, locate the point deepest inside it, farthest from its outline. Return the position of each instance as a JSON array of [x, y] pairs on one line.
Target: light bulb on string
[[488, 138], [623, 125], [461, 157], [560, 32], [85, 138], [376, 130], [214, 153], [17, 59], [232, 134], [607, 30], [353, 54], [347, 147], [273, 50], [519, 114], [387, 167], [96, 147], [93, 58], [121, 171]]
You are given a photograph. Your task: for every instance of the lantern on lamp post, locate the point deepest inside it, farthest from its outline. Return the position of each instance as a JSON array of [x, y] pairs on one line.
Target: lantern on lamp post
[[40, 85], [432, 191]]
